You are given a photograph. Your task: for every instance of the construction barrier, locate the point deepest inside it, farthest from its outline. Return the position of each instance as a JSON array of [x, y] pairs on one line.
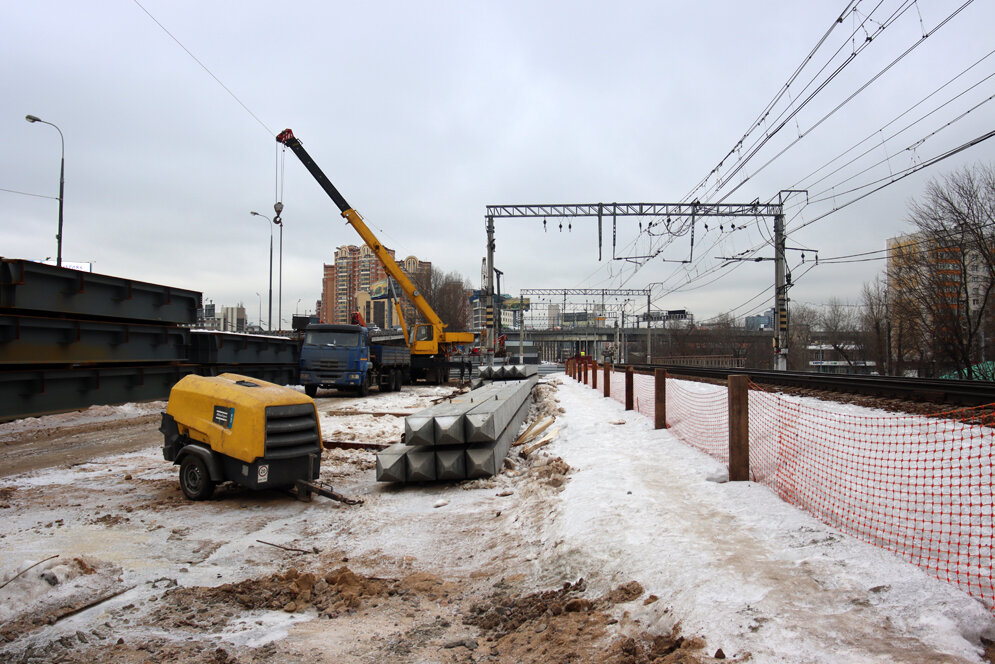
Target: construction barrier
[[919, 486]]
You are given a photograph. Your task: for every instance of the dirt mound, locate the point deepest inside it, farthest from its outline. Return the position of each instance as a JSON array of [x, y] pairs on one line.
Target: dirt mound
[[552, 471], [292, 591], [563, 626], [625, 593], [426, 584], [545, 404], [5, 496]]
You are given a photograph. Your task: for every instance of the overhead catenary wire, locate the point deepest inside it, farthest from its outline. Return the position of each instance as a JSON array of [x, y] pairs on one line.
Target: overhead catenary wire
[[782, 119], [700, 274], [847, 100], [792, 110], [805, 179], [904, 174]]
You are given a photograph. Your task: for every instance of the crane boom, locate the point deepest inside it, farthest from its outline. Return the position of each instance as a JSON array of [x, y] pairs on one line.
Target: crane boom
[[390, 265], [429, 341]]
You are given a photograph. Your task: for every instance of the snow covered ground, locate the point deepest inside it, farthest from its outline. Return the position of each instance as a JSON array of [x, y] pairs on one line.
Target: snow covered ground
[[729, 563]]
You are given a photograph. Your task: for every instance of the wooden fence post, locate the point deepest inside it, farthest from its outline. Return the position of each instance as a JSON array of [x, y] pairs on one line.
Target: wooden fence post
[[585, 367], [739, 428], [594, 374], [630, 398], [608, 380], [660, 401]]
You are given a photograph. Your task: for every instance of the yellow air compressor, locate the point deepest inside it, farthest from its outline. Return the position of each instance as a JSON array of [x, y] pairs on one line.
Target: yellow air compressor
[[244, 430]]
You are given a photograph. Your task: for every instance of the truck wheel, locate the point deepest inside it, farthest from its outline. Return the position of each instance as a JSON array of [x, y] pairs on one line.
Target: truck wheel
[[364, 386], [194, 478], [398, 381], [311, 390]]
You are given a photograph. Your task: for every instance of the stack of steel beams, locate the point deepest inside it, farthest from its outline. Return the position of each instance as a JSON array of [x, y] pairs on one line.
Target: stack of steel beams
[[71, 339], [463, 438]]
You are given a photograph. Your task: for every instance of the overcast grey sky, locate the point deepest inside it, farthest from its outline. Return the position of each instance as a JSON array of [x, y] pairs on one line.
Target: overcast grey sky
[[424, 113]]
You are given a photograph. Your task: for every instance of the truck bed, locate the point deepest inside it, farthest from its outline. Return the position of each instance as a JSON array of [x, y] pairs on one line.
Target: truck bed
[[390, 355]]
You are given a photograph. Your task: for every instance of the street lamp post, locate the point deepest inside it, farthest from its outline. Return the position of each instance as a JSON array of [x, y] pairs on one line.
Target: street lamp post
[[270, 320], [62, 183], [260, 310]]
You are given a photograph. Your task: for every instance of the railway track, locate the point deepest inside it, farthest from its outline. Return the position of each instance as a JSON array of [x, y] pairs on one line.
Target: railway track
[[928, 390]]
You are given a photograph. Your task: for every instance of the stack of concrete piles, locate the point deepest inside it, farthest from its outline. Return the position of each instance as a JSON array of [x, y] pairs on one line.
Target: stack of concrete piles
[[508, 372], [463, 438]]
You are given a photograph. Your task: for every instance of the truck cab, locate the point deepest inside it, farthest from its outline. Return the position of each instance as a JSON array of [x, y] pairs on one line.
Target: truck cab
[[344, 357], [335, 356]]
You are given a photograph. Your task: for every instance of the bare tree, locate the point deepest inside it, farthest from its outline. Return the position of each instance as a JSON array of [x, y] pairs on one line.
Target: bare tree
[[874, 325], [803, 319], [839, 323], [947, 286], [448, 294]]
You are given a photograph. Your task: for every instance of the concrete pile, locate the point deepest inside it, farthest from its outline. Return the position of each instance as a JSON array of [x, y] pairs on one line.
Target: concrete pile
[[463, 438], [508, 372]]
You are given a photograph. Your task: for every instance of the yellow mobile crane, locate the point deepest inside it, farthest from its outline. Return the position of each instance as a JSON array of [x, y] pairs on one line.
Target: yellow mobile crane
[[432, 347]]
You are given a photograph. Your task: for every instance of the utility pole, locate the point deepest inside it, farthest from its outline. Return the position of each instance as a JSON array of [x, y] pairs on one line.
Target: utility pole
[[780, 296], [489, 298]]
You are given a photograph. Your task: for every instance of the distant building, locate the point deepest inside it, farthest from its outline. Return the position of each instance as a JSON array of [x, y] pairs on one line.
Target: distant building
[[764, 321], [931, 282], [233, 319], [207, 318], [356, 281]]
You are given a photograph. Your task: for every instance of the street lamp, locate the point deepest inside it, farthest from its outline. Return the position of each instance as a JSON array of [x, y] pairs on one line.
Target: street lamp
[[62, 183], [260, 310], [270, 323]]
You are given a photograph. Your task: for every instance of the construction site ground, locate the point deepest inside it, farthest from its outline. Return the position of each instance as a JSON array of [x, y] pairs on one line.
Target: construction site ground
[[103, 559]]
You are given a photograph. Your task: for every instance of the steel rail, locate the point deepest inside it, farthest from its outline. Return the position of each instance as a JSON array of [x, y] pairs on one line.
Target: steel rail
[[931, 390]]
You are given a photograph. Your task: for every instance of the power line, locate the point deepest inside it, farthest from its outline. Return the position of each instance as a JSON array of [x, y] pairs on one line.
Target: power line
[[909, 171], [783, 119], [204, 67], [797, 185], [24, 193], [901, 10], [843, 103]]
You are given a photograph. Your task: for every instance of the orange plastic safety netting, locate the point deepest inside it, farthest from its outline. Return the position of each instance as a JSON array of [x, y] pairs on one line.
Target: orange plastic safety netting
[[643, 391], [698, 414], [644, 394], [617, 379], [920, 486]]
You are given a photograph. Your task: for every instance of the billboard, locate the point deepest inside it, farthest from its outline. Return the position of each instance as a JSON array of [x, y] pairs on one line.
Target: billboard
[[516, 304], [380, 289]]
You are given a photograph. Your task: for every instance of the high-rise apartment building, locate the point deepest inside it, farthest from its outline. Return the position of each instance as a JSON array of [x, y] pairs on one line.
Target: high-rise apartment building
[[357, 271]]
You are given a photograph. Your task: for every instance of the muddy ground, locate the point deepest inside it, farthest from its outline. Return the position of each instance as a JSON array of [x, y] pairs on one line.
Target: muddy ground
[[132, 572]]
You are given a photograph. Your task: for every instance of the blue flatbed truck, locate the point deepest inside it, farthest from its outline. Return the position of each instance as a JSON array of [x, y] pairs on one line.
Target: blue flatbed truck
[[348, 358]]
